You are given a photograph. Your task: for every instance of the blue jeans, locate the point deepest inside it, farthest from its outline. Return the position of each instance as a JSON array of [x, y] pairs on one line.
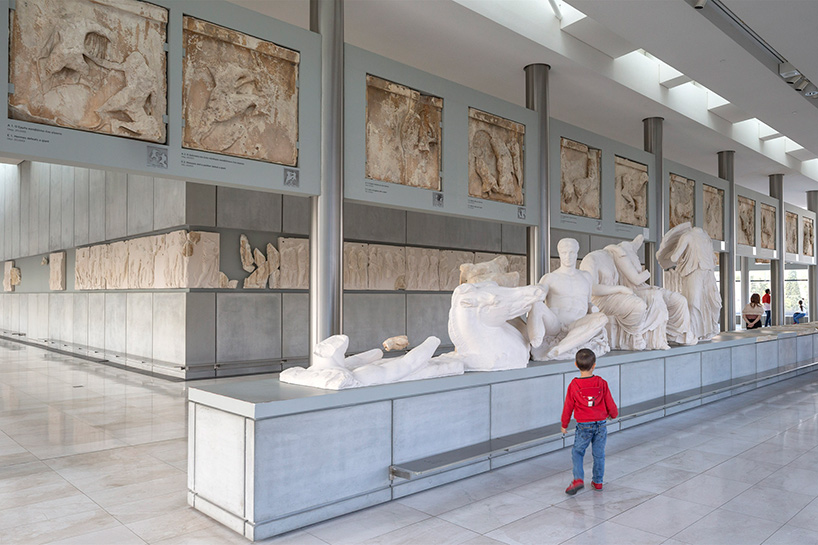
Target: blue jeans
[[596, 434], [768, 318], [797, 317]]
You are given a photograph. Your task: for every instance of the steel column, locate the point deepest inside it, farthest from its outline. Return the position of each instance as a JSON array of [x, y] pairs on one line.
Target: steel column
[[539, 236], [812, 308], [652, 131], [727, 260], [777, 265]]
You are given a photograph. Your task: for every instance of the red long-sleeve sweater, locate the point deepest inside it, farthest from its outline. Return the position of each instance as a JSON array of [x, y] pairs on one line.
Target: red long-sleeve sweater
[[589, 399]]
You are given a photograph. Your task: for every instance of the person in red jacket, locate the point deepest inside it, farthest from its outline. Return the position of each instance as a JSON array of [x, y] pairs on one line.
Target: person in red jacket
[[590, 400]]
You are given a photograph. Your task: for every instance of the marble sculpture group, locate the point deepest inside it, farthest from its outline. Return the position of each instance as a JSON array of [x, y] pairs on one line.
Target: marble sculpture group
[[604, 303]]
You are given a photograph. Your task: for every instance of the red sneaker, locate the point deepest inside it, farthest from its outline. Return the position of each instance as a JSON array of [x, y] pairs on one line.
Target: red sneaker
[[575, 486], [598, 486]]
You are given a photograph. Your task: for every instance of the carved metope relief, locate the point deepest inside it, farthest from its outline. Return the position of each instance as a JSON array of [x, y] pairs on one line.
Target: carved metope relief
[[240, 94], [519, 263], [767, 226], [580, 179], [682, 200], [387, 267], [56, 271], [95, 65], [791, 232], [295, 262], [356, 263], [403, 134], [809, 238], [11, 276], [631, 192], [746, 221], [713, 211], [495, 158], [422, 269], [450, 261]]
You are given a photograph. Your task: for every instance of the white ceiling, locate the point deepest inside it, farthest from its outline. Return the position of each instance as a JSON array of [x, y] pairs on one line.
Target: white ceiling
[[590, 90]]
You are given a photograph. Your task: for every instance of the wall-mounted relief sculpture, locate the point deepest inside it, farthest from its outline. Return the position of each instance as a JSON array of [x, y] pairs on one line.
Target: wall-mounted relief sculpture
[[295, 263], [495, 158], [767, 226], [259, 277], [791, 233], [713, 211], [519, 263], [274, 262], [240, 94], [422, 269], [746, 221], [94, 65], [387, 267], [682, 200], [580, 179], [141, 262], [808, 248], [11, 276], [403, 134], [495, 270], [201, 251], [450, 261], [631, 192], [356, 264], [116, 277], [56, 271]]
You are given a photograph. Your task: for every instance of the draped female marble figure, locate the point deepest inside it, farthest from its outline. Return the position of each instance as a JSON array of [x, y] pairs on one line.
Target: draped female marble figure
[[686, 254]]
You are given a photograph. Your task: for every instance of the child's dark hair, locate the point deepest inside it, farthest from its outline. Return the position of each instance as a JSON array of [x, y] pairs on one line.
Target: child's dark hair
[[585, 359]]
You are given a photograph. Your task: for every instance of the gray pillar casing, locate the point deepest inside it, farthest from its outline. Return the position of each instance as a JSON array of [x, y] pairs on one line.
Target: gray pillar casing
[[727, 260], [745, 282], [652, 131], [327, 227], [812, 308], [777, 265], [539, 236]]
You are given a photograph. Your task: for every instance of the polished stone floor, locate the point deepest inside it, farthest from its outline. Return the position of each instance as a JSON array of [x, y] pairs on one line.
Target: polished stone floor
[[90, 454]]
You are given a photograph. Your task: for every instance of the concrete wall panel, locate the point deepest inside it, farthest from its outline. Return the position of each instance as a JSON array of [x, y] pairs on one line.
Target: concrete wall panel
[[140, 204], [80, 319], [96, 320], [716, 366], [169, 326], [683, 373], [743, 360], [68, 207], [139, 324], [522, 405], [642, 381], [96, 205], [296, 214], [116, 316], [295, 325], [450, 232], [428, 314], [374, 224], [200, 204], [370, 318], [168, 203], [116, 205], [244, 209], [81, 205], [248, 326], [200, 337]]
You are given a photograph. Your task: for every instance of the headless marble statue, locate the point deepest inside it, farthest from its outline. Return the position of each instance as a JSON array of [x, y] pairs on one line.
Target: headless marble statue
[[569, 319]]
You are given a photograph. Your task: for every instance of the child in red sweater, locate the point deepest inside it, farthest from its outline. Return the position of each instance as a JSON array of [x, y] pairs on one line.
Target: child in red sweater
[[590, 400]]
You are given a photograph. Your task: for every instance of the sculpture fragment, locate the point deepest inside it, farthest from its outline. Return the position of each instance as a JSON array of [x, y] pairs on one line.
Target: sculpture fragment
[[682, 200], [403, 134], [809, 237], [387, 267], [746, 221], [567, 320], [713, 211], [356, 265], [631, 192], [495, 270], [686, 254], [141, 262], [580, 179], [94, 65], [398, 342], [11, 276], [295, 263], [791, 232], [274, 264], [768, 226], [258, 279], [82, 268], [422, 269], [116, 264], [56, 271], [246, 104], [495, 158], [246, 252], [519, 264], [450, 261]]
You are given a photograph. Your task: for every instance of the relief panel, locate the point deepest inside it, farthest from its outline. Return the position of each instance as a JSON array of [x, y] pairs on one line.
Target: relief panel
[[767, 226], [387, 267], [422, 269], [356, 264], [713, 211], [94, 65], [580, 180], [746, 221], [682, 200], [56, 271], [240, 94], [450, 261], [791, 233], [403, 134], [631, 192], [809, 238], [495, 158], [295, 263]]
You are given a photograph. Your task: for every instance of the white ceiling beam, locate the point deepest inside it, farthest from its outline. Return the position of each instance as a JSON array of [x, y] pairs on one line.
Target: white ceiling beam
[[669, 77], [796, 150], [585, 29], [724, 109], [767, 133]]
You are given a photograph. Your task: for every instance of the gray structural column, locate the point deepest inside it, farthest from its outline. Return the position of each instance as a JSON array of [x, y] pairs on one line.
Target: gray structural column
[[727, 260], [653, 144], [539, 236], [327, 228], [745, 283], [777, 265], [812, 205]]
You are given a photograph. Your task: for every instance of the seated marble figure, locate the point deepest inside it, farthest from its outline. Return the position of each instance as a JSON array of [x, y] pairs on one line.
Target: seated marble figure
[[568, 318]]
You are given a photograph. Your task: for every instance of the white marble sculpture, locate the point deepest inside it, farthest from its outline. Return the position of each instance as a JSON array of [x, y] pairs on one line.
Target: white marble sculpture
[[809, 238], [791, 233], [258, 278], [330, 370], [11, 276], [713, 198], [295, 263], [117, 266], [746, 232], [450, 261], [246, 253], [686, 254], [495, 270], [519, 264], [56, 271], [480, 327], [356, 265], [201, 263], [631, 192], [682, 200], [274, 264], [141, 262], [495, 157], [398, 342], [387, 267], [580, 179], [422, 269], [569, 319], [768, 228]]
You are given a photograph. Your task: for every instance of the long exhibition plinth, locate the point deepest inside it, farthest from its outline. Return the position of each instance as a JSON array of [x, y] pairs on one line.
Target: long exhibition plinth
[[266, 457]]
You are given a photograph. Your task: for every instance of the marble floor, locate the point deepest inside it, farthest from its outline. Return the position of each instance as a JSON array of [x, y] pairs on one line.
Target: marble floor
[[91, 454]]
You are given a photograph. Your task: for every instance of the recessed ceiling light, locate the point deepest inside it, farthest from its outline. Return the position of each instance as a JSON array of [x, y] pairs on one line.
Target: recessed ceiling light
[[811, 91], [792, 80], [786, 70], [801, 85]]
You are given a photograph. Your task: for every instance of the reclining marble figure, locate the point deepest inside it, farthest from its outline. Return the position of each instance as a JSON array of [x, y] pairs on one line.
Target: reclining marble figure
[[569, 318], [686, 254], [331, 370]]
